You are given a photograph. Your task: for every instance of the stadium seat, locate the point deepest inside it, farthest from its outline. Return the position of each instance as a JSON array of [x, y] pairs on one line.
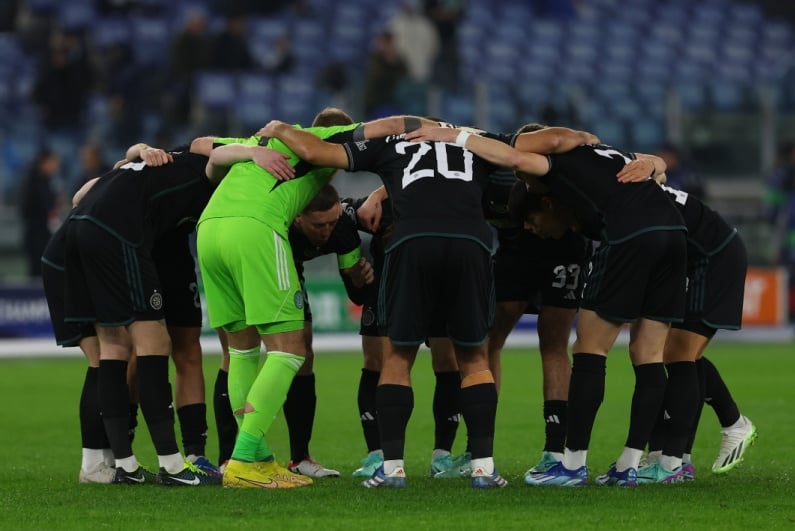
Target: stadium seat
[[458, 109], [255, 86], [610, 131], [76, 14], [646, 135], [727, 96], [110, 30], [216, 90], [295, 97], [151, 39], [264, 31], [692, 95]]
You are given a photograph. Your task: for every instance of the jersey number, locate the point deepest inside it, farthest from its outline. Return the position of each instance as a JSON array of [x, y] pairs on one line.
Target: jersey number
[[410, 175], [610, 152], [136, 166], [566, 277], [679, 196]]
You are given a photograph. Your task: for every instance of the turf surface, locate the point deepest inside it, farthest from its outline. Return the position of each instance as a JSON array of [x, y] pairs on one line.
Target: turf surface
[[40, 442]]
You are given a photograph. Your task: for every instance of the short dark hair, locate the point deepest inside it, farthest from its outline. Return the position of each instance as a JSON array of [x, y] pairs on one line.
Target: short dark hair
[[522, 202], [331, 116], [530, 128], [326, 198]]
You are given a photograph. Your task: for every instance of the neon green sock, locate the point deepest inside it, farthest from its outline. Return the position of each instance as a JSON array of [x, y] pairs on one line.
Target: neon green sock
[[267, 397], [243, 367], [246, 446]]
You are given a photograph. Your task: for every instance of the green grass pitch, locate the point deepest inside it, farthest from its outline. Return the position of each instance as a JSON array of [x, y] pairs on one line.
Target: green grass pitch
[[40, 445]]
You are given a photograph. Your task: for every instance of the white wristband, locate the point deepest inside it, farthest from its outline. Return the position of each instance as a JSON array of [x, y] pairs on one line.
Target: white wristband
[[461, 139]]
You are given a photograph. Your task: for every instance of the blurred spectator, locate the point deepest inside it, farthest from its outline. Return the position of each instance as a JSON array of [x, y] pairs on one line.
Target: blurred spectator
[[39, 206], [780, 203], [386, 69], [446, 15], [230, 49], [92, 164], [416, 39], [34, 28], [8, 14], [680, 174], [281, 59], [301, 8], [63, 83], [190, 52], [122, 82]]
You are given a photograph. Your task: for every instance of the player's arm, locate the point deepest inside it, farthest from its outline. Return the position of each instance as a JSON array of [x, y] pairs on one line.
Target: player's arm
[[307, 146], [151, 156], [202, 145], [642, 168], [356, 278], [370, 211], [83, 190], [553, 140], [223, 157], [494, 151], [395, 125]]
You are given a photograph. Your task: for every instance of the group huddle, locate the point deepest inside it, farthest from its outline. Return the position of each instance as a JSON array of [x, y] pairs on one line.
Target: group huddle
[[470, 231]]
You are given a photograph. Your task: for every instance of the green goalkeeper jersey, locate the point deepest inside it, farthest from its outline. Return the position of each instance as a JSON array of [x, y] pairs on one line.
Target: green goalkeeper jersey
[[251, 191]]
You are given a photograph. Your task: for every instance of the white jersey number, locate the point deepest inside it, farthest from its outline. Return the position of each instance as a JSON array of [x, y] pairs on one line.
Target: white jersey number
[[566, 276], [610, 152], [135, 166], [440, 148], [679, 196]]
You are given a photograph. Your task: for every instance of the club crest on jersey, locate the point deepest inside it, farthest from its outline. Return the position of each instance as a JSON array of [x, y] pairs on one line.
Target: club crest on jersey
[[298, 299], [368, 317], [156, 301]]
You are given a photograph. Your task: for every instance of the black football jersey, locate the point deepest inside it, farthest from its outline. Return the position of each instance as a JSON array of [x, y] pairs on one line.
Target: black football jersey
[[343, 239], [707, 231], [608, 210], [138, 203], [436, 188]]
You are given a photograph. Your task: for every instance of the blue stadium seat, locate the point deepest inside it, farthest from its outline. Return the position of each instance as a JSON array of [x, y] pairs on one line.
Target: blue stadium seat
[[458, 109], [726, 96], [577, 71], [76, 14], [252, 114], [610, 131], [216, 90], [776, 32], [110, 30], [542, 52], [690, 70], [256, 86], [705, 15], [546, 31], [151, 39], [295, 97], [654, 72], [500, 61], [669, 34], [646, 135], [621, 52], [651, 93], [700, 53], [265, 31], [692, 95]]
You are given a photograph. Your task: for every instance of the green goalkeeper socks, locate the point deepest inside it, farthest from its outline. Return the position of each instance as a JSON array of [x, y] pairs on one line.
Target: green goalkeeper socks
[[267, 396], [243, 367]]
